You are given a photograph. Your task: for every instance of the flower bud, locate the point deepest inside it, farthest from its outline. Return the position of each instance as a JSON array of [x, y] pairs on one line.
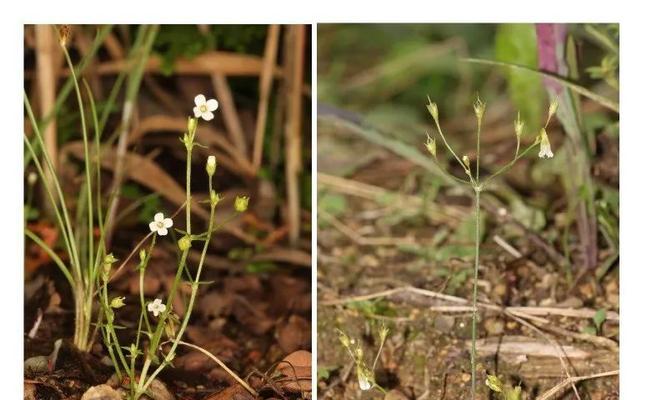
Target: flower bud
[[383, 332], [241, 202], [494, 383], [479, 108], [465, 161], [64, 35], [32, 178], [143, 255], [553, 107], [191, 125], [211, 165], [214, 197], [184, 243], [110, 259], [117, 302], [518, 125], [433, 109], [430, 144]]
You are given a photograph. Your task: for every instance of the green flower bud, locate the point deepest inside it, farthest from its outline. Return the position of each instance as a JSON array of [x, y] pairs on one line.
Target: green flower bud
[[110, 259], [184, 243], [241, 202], [143, 255], [433, 109], [518, 125], [494, 383], [191, 125], [117, 302], [211, 165], [553, 107], [214, 197], [479, 108], [430, 144]]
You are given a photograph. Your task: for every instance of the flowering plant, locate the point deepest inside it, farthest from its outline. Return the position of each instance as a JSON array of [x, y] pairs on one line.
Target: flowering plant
[[166, 327], [478, 185]]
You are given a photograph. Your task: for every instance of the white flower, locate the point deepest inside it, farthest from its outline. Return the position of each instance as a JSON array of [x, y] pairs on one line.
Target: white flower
[[205, 108], [156, 307], [160, 224], [545, 146]]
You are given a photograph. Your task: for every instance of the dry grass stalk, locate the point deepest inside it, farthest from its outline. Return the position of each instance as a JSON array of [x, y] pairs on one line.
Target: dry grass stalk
[[265, 85], [294, 54]]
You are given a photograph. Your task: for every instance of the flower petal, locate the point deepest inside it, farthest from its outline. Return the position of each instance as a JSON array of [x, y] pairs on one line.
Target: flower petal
[[197, 112], [162, 231], [208, 115], [161, 307], [158, 217], [168, 222], [212, 104], [199, 100], [153, 227]]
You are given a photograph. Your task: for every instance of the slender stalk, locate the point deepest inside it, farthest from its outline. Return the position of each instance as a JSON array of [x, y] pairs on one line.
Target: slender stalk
[[474, 314]]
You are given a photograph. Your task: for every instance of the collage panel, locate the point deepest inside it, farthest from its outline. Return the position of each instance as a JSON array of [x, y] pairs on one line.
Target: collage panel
[[468, 211], [167, 176]]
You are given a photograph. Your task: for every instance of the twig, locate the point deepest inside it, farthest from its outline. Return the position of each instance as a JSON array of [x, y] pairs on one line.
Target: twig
[[525, 312], [265, 83], [560, 352], [570, 381], [506, 246], [221, 364], [359, 239]]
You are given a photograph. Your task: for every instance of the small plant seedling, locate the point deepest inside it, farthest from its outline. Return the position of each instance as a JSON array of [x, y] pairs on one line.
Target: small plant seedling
[[598, 320]]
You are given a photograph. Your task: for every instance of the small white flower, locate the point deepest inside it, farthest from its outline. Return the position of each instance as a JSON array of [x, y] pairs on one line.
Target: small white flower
[[205, 108], [160, 224], [156, 307], [545, 146]]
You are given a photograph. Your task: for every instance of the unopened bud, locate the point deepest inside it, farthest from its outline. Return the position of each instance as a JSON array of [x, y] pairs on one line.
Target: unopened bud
[[191, 125], [184, 243], [518, 125], [117, 302], [494, 383], [430, 144], [211, 165], [553, 107], [240, 203], [32, 178], [64, 35], [433, 109], [465, 160], [479, 108]]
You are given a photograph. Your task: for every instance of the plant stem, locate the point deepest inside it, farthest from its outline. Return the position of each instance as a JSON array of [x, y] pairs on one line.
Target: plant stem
[[474, 314]]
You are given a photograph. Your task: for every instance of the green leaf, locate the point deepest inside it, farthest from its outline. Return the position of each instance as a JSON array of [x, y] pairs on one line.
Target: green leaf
[[599, 318], [334, 204], [260, 267], [517, 43]]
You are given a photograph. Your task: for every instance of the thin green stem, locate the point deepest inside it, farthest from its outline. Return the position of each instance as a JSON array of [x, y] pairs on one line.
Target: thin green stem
[[478, 150], [445, 142], [474, 315], [510, 164]]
